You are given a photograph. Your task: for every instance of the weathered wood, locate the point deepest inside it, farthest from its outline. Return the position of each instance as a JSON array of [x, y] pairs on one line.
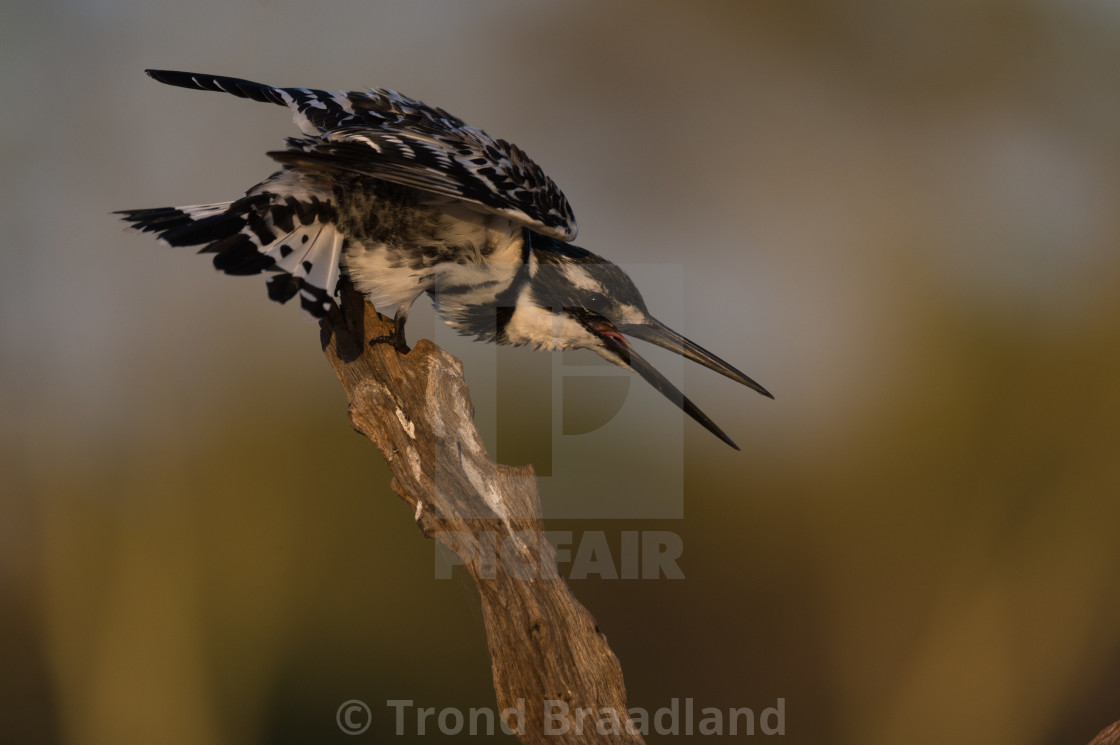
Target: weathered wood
[[547, 653], [1108, 736]]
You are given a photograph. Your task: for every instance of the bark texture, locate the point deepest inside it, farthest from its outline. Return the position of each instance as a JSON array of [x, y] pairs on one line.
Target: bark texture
[[548, 657]]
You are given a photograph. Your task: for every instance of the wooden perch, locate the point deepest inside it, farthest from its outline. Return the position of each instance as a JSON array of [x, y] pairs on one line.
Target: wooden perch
[[1108, 736], [548, 657]]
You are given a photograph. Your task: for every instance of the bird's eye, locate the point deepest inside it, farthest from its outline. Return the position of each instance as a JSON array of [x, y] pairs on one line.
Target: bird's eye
[[596, 303]]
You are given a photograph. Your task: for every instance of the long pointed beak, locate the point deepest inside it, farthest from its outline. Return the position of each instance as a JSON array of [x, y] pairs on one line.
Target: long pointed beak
[[658, 333], [649, 373]]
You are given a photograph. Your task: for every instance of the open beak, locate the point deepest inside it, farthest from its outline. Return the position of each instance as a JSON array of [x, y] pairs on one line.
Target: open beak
[[658, 333]]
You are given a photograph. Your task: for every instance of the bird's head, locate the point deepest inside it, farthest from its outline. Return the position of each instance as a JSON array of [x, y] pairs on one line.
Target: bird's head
[[575, 299]]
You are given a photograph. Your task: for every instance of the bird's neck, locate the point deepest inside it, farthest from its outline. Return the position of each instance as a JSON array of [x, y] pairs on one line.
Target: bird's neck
[[479, 299], [502, 301]]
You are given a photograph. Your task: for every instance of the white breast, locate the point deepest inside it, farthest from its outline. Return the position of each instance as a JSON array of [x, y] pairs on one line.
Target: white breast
[[485, 247], [543, 329], [377, 274]]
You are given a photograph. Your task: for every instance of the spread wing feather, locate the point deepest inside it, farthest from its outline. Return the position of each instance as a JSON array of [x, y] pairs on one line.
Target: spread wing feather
[[383, 134], [280, 226]]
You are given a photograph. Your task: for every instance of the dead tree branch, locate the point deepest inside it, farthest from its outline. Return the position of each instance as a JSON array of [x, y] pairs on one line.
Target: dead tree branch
[[548, 657], [1108, 736]]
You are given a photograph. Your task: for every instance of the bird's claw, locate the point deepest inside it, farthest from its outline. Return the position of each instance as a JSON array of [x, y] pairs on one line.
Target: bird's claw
[[396, 338]]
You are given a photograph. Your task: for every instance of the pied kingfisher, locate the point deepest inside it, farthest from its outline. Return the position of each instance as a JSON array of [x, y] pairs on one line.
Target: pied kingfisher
[[406, 199]]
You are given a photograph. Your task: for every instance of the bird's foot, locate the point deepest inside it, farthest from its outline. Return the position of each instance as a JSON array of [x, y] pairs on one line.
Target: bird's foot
[[396, 338]]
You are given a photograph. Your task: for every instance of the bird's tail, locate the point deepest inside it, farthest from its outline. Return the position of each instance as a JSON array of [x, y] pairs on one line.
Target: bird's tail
[[264, 231]]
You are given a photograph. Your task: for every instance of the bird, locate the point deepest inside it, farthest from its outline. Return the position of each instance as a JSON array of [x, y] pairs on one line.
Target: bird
[[405, 199]]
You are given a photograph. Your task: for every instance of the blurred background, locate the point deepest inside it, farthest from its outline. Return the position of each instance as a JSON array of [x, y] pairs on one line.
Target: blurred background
[[901, 218]]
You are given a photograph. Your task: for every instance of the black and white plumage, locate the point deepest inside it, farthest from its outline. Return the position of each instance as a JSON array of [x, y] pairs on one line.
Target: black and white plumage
[[406, 199]]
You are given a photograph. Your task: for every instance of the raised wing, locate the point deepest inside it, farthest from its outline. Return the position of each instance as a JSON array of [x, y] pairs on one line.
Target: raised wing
[[385, 135]]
